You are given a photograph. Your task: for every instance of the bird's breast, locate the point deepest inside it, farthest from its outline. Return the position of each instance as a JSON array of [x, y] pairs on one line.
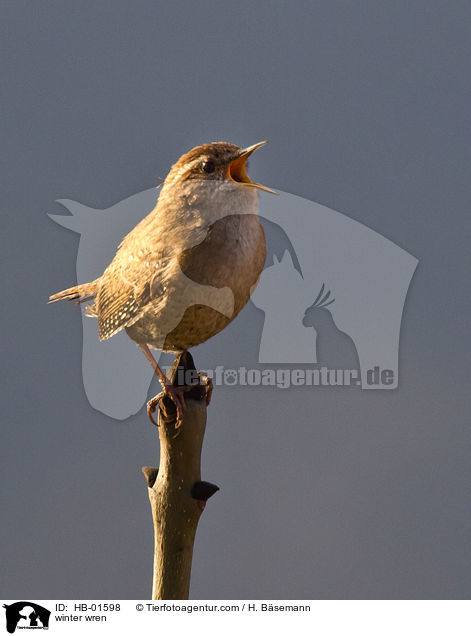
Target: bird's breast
[[231, 255], [215, 281]]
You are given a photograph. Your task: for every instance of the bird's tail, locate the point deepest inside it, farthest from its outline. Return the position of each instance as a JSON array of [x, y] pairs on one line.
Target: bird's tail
[[79, 293]]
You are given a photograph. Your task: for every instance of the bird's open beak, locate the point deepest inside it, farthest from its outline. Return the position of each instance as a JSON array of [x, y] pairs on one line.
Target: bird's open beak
[[237, 173]]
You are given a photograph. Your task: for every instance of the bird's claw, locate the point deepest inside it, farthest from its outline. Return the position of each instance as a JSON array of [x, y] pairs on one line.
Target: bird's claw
[[152, 407], [177, 395]]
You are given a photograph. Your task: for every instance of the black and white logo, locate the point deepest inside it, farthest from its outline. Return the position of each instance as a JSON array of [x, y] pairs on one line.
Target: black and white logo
[[26, 615]]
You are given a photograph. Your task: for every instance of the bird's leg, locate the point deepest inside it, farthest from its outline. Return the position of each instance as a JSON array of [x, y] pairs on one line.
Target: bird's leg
[[175, 393]]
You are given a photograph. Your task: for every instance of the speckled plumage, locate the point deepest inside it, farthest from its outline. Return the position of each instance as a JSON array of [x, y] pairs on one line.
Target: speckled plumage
[[189, 267]]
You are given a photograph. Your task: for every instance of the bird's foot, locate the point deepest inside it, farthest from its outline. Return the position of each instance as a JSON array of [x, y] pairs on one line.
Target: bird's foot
[[152, 405], [176, 394]]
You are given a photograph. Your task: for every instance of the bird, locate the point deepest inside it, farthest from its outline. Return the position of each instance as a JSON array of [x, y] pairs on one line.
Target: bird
[[188, 268], [334, 347]]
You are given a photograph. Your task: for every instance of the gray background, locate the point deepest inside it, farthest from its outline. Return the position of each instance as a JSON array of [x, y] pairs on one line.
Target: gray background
[[324, 494]]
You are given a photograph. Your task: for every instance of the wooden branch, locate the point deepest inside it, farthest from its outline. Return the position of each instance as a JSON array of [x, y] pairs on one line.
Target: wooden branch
[[177, 494]]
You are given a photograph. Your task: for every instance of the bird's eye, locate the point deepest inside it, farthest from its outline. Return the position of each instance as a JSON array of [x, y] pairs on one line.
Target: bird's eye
[[208, 167]]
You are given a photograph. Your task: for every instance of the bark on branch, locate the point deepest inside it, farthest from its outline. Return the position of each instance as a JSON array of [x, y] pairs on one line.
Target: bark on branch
[[177, 494]]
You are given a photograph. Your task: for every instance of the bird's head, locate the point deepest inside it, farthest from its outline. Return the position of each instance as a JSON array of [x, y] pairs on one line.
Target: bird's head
[[317, 312], [218, 166]]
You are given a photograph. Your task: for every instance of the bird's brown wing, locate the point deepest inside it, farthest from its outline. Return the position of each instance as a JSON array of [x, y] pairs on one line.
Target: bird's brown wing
[[116, 307], [138, 273], [125, 287]]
